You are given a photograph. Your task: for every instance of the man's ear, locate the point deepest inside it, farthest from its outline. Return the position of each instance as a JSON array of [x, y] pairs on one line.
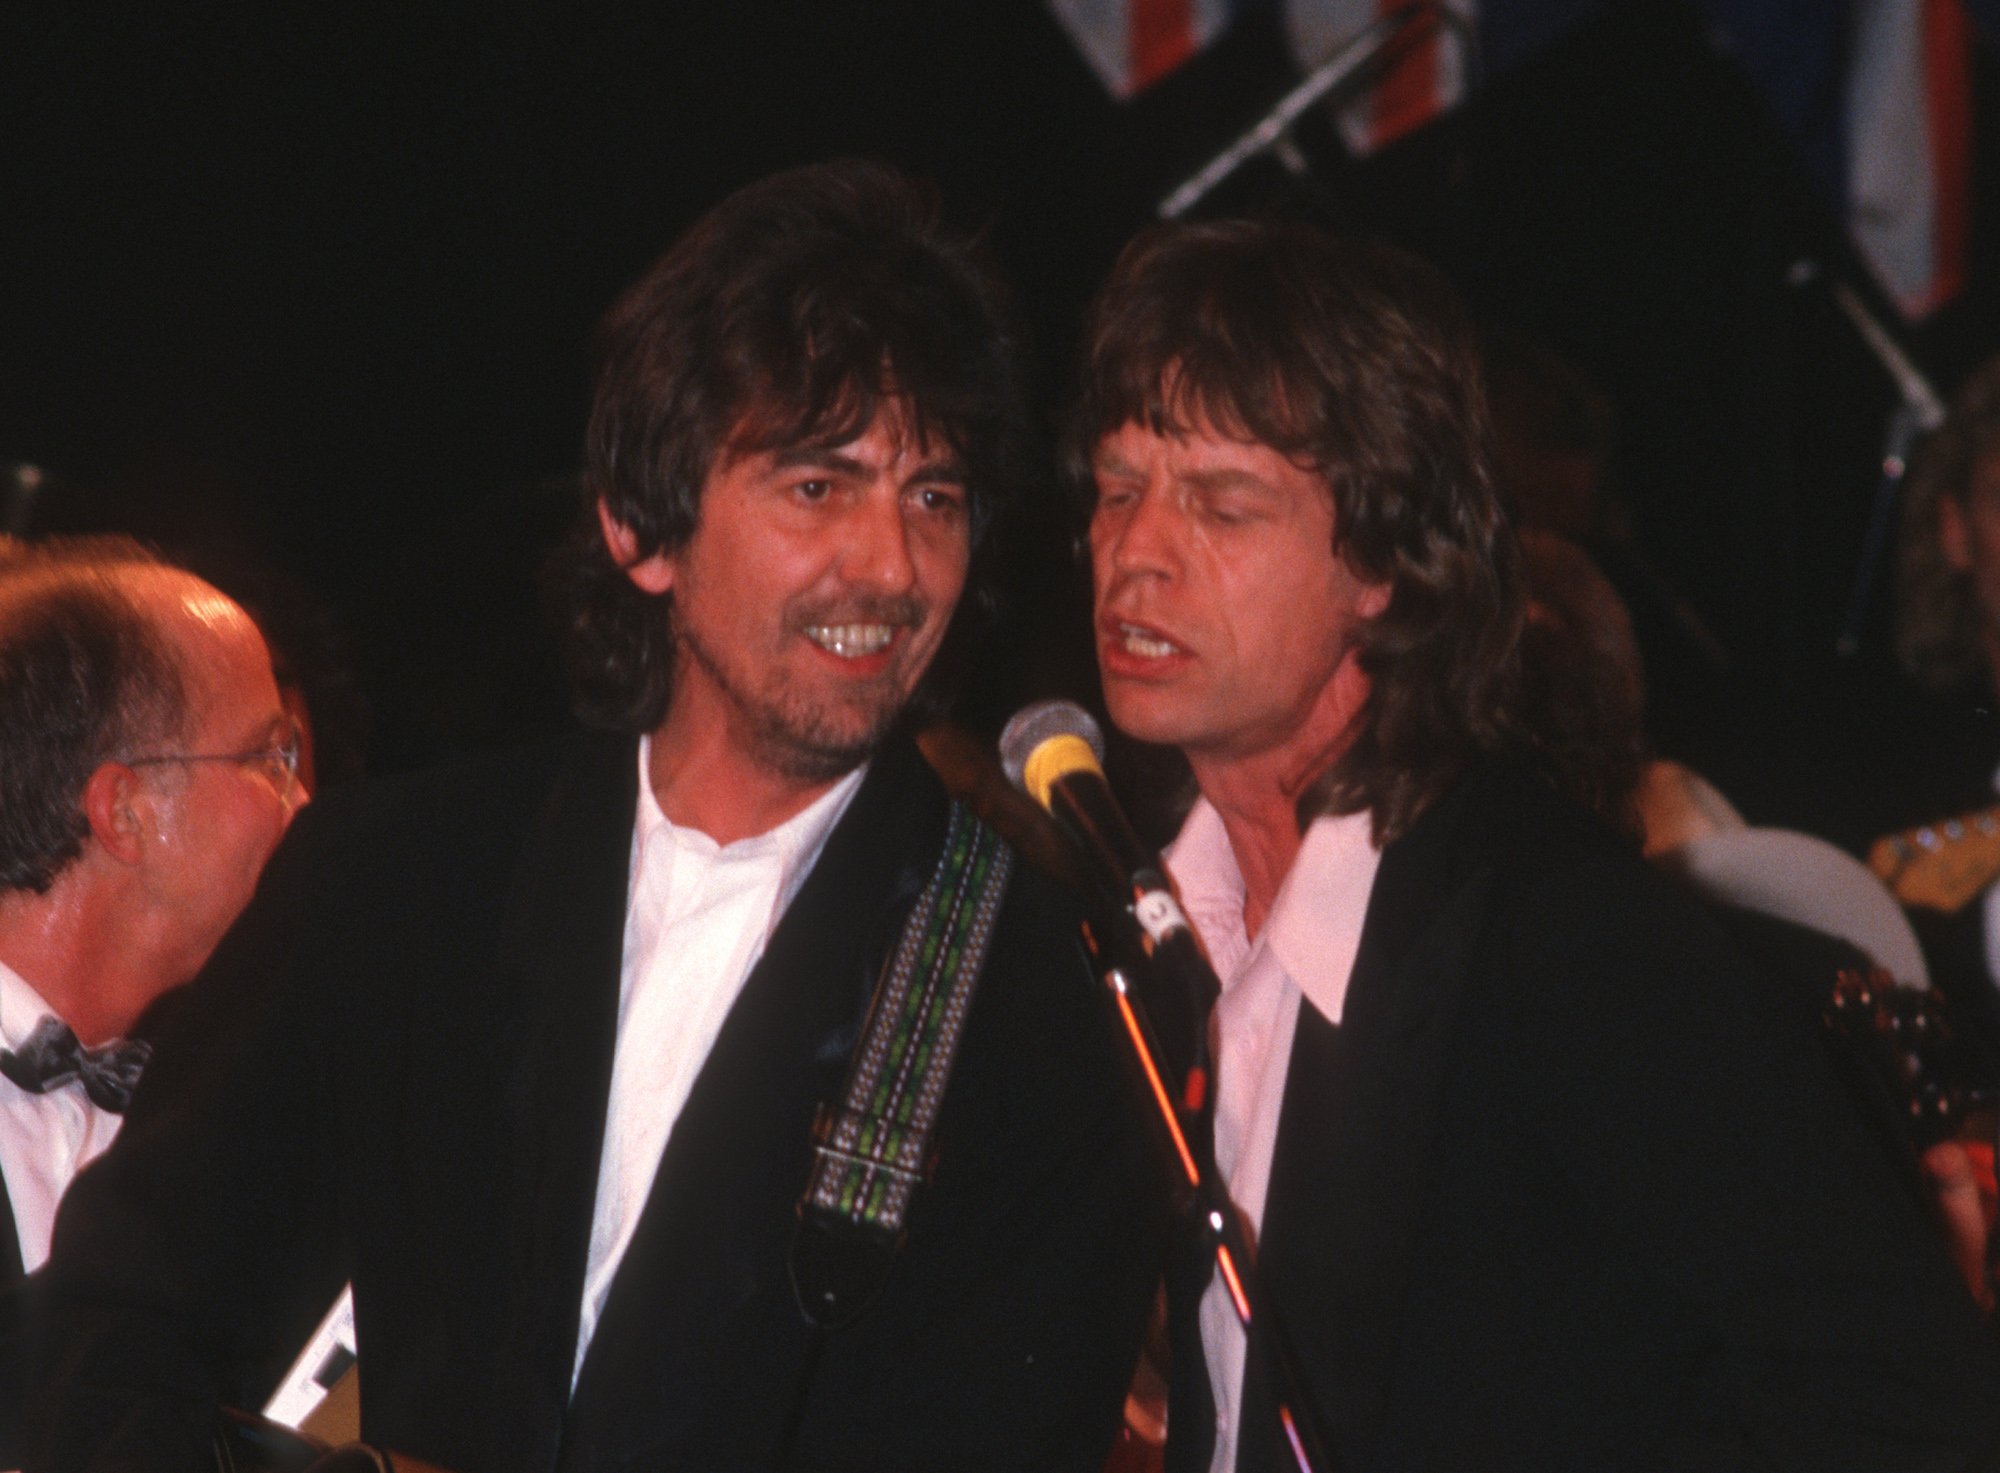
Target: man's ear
[[653, 573], [113, 805], [1372, 600]]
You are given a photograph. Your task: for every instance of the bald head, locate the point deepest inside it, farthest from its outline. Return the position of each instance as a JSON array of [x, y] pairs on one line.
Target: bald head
[[105, 653], [146, 774]]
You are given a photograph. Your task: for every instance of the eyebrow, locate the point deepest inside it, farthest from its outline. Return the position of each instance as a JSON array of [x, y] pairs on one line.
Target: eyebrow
[[1202, 480], [819, 457], [1231, 480]]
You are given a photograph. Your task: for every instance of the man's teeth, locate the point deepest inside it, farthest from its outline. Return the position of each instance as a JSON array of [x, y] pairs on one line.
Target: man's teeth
[[852, 641], [1139, 642]]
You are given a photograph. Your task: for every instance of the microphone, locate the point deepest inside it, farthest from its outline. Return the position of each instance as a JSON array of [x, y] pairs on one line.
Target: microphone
[[1054, 752]]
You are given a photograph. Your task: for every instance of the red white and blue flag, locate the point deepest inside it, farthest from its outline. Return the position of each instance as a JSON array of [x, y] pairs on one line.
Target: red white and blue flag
[[1132, 44], [1909, 155], [1428, 75], [1876, 95]]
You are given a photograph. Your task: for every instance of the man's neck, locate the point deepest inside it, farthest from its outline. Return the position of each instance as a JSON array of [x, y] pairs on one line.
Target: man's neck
[[1256, 794], [1263, 830], [79, 966], [715, 787]]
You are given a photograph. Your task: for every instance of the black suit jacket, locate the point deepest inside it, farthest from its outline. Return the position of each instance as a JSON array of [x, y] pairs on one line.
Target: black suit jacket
[[13, 1373], [397, 1069], [1571, 1188]]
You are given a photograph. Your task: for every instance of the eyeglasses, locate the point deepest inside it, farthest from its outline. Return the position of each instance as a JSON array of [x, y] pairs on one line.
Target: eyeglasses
[[278, 764]]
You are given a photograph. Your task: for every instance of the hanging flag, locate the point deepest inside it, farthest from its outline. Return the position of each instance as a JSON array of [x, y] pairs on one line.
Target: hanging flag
[[1909, 158], [1132, 44], [1876, 96], [1425, 77], [1436, 66]]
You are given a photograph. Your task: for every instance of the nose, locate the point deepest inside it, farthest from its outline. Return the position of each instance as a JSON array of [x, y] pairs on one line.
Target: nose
[[877, 554], [1135, 537]]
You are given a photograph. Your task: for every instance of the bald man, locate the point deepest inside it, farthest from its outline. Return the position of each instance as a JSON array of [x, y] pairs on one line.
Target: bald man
[[147, 770]]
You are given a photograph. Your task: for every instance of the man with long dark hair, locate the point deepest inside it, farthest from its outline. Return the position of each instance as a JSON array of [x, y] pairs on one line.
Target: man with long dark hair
[[1538, 1173], [533, 1052]]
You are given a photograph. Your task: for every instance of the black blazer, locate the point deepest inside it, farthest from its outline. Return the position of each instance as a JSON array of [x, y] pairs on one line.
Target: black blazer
[[13, 1373], [397, 1069], [1571, 1188]]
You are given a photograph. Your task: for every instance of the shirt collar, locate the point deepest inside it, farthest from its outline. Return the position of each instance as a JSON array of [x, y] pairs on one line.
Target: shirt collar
[[794, 844], [1210, 887], [21, 1008], [1314, 928]]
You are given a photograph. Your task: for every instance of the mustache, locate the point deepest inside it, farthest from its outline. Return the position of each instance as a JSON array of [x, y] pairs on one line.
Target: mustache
[[897, 609]]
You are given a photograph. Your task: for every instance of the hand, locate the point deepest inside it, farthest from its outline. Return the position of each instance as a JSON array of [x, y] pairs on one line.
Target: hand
[[1960, 1174]]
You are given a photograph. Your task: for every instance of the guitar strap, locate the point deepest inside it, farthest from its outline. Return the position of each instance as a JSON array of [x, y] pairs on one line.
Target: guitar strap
[[873, 1148]]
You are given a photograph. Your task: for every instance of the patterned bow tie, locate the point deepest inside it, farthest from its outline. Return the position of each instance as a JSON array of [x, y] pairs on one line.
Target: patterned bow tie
[[52, 1058]]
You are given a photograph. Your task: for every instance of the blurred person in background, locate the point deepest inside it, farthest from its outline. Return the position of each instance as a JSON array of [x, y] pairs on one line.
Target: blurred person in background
[[147, 771]]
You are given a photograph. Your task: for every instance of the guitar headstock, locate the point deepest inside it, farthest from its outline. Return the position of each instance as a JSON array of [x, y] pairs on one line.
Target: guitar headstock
[[1940, 866]]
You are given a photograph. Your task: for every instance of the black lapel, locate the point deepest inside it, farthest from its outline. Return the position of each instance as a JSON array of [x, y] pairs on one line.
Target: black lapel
[[1355, 1140], [13, 1347], [10, 1242], [700, 1331], [562, 940]]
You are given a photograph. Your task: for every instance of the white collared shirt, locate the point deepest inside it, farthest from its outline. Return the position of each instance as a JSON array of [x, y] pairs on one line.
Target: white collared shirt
[[1305, 950], [697, 916], [46, 1139]]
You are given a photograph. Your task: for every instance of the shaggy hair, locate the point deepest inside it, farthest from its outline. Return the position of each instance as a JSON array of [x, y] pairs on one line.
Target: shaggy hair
[[1357, 363], [790, 315]]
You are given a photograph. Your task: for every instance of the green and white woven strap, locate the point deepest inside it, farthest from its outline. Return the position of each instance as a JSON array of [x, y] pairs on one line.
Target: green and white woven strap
[[871, 1151]]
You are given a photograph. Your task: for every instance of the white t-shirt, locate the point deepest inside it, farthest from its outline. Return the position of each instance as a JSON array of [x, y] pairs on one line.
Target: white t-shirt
[[697, 916]]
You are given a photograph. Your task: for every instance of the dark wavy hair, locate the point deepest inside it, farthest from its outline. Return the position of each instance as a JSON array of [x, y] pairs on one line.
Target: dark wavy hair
[[1357, 362], [791, 314], [84, 678]]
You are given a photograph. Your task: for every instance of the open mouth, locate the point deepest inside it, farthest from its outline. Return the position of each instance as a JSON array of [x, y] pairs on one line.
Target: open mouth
[[1146, 643], [852, 641]]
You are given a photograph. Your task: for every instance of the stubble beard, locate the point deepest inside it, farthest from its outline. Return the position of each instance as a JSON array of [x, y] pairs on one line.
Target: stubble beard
[[791, 734]]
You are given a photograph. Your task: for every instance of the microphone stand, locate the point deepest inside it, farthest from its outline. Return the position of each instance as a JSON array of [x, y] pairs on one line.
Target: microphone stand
[[1052, 751], [1216, 1214], [1918, 411]]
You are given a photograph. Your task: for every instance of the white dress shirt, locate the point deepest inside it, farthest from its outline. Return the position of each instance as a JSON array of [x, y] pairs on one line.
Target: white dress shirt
[[697, 915], [46, 1139], [1305, 950]]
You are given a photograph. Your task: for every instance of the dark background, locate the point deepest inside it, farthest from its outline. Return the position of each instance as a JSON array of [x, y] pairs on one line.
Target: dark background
[[313, 291]]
